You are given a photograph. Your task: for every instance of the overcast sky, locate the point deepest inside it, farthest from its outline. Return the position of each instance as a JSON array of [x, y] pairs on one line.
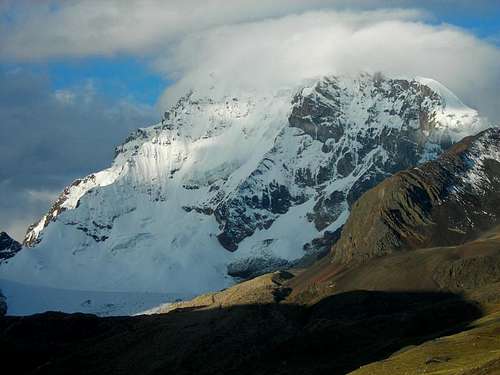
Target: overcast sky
[[77, 76]]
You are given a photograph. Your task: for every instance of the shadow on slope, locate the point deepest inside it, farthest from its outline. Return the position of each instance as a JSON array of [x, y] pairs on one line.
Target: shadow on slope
[[335, 336], [471, 352]]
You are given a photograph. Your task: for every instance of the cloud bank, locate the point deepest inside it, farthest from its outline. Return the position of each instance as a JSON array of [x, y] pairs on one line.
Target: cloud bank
[[47, 29], [280, 52], [247, 44]]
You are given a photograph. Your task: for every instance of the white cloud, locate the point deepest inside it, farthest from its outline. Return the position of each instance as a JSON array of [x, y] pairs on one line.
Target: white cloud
[[45, 29], [278, 52], [65, 96], [246, 43], [273, 52], [33, 30]]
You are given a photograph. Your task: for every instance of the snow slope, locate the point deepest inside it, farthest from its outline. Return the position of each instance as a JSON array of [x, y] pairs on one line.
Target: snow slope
[[231, 186]]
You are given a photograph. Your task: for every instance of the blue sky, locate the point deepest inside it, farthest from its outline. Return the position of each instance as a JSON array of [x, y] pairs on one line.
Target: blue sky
[[117, 77], [485, 24], [122, 77], [77, 76]]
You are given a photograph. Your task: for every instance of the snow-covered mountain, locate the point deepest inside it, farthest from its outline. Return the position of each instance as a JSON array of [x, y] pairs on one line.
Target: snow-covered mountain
[[232, 186]]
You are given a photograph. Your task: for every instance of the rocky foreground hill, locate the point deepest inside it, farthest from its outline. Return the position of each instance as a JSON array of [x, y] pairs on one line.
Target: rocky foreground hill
[[446, 202], [400, 299]]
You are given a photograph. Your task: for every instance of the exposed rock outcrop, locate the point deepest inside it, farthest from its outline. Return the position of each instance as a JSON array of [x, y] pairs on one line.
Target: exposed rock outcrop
[[8, 247], [444, 202]]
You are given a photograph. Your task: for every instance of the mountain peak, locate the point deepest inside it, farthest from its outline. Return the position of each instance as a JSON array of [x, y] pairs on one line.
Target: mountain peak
[[231, 187]]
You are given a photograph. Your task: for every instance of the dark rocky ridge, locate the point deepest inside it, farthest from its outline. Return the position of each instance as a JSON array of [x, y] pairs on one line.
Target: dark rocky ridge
[[444, 202], [8, 246]]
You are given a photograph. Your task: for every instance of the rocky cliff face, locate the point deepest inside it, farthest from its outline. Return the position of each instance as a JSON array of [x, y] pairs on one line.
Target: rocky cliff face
[[444, 202], [237, 185], [8, 247], [343, 138]]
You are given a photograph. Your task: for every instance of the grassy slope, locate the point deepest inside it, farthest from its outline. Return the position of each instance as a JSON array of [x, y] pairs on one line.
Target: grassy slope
[[471, 269], [475, 351], [454, 268]]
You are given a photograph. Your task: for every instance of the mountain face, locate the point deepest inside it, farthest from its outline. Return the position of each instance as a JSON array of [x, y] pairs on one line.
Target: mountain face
[[445, 202], [8, 246], [239, 185]]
